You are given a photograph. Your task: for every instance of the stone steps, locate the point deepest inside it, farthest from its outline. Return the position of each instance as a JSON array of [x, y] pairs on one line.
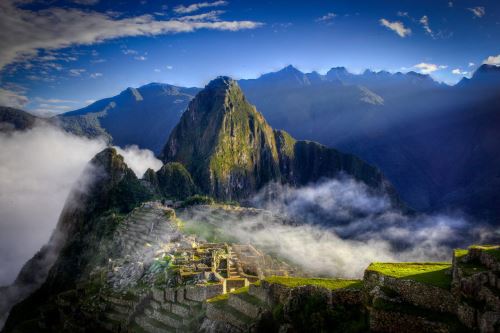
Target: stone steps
[[246, 304], [151, 325], [167, 318], [222, 311], [116, 316], [259, 293]]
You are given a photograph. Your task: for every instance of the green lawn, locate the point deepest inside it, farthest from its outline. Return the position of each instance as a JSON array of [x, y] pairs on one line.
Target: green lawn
[[325, 283], [435, 273]]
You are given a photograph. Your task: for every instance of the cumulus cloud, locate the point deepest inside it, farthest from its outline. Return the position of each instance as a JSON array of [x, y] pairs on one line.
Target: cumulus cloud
[[24, 32], [471, 64], [478, 11], [181, 9], [337, 227], [492, 60], [396, 26], [426, 68], [95, 75]]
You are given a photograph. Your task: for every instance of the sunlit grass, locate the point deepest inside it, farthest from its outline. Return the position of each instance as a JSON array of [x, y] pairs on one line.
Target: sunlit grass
[[434, 273]]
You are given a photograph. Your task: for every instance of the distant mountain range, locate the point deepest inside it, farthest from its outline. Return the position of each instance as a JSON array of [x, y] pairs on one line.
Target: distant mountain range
[[143, 116], [436, 143]]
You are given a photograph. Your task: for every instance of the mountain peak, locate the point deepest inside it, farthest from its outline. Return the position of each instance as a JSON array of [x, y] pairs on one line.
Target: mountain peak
[[486, 69], [290, 69], [221, 83]]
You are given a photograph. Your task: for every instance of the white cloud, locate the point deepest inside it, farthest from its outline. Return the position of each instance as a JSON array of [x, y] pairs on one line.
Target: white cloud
[[38, 167], [140, 58], [396, 26], [471, 64], [24, 32], [170, 67], [90, 101], [157, 70], [478, 11], [492, 60], [181, 9], [458, 71], [426, 68], [95, 75], [14, 99], [139, 160], [328, 18]]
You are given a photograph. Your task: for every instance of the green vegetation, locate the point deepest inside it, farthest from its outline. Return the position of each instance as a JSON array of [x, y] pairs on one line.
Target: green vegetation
[[436, 274], [225, 296], [459, 253], [325, 283], [493, 250], [197, 200], [174, 181], [406, 308]]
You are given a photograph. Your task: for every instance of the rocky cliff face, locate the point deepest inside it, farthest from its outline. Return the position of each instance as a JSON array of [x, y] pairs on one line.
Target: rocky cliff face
[[89, 217], [231, 151], [224, 142]]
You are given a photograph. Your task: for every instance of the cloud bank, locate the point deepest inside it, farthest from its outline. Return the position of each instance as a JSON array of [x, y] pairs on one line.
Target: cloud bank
[[38, 168], [338, 227]]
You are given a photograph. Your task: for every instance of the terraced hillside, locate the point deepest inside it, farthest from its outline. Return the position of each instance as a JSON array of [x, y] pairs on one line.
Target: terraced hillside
[[164, 275]]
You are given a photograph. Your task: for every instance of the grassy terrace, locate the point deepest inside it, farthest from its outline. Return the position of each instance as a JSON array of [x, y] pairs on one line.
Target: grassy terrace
[[435, 274], [493, 250], [223, 297], [325, 283]]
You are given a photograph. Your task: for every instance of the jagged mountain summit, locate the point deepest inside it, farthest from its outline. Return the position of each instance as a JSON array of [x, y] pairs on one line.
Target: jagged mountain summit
[[232, 152]]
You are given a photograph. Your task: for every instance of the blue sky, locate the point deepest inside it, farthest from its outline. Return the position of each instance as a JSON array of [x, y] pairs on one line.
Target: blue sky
[[57, 56]]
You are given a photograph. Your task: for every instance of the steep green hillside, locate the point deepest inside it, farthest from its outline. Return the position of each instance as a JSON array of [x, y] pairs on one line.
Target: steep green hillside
[[231, 151]]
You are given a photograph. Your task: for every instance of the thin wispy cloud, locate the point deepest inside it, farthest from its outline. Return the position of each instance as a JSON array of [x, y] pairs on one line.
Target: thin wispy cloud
[[181, 9], [14, 99], [396, 26], [478, 11], [95, 75], [76, 71], [425, 24], [327, 19], [458, 71], [23, 33]]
